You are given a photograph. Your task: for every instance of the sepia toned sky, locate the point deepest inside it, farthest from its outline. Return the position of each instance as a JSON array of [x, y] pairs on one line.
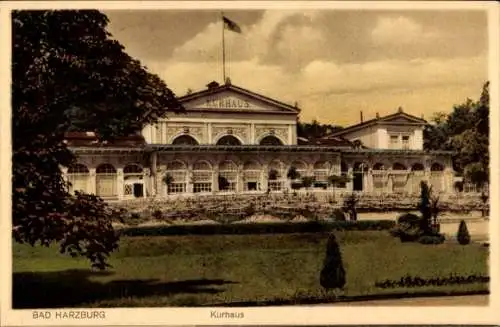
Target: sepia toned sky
[[334, 63]]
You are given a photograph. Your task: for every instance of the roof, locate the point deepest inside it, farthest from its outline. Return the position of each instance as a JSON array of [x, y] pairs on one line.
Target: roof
[[84, 139], [214, 88], [405, 119], [336, 141]]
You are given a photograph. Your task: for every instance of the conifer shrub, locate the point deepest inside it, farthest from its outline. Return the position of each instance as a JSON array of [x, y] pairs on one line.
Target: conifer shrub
[[432, 239], [463, 236], [332, 274]]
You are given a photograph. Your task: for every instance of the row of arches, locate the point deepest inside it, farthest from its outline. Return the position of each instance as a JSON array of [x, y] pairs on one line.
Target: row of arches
[[228, 174], [78, 176], [225, 140]]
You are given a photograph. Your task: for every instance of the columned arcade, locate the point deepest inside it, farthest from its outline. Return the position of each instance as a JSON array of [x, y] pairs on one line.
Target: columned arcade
[[197, 170]]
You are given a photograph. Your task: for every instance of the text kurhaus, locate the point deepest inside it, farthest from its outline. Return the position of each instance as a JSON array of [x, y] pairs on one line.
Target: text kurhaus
[[226, 315]]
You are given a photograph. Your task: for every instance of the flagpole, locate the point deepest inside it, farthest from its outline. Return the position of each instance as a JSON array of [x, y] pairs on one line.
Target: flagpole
[[223, 50]]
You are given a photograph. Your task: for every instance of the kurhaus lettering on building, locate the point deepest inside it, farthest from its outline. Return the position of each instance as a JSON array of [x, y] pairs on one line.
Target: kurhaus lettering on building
[[227, 103]]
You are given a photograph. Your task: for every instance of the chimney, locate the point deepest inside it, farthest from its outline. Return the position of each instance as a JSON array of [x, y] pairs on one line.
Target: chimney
[[361, 116], [377, 115]]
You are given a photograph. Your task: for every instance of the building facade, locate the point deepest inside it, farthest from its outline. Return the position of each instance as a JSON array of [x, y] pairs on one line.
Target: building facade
[[231, 140]]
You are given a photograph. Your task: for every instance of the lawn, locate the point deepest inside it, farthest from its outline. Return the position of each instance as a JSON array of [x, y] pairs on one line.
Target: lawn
[[267, 269]]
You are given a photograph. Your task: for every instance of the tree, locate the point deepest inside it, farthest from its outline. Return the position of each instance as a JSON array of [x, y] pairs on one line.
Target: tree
[[332, 274], [425, 208], [68, 74], [465, 131], [315, 130], [307, 181], [292, 173], [463, 236], [349, 206]]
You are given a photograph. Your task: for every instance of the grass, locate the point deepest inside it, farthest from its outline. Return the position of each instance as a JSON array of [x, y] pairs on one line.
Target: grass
[[223, 269]]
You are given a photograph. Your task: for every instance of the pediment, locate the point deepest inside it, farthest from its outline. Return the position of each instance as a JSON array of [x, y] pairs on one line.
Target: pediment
[[234, 100], [402, 119]]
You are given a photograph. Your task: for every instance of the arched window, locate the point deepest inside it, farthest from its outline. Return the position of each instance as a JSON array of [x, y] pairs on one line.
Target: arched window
[[276, 176], [228, 140], [228, 172], [202, 177], [185, 140], [399, 177], [251, 176], [271, 140], [106, 181], [175, 177], [380, 178], [78, 178], [321, 170]]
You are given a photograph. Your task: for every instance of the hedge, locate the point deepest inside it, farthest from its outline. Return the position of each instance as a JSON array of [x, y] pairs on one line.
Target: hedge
[[409, 281], [257, 228]]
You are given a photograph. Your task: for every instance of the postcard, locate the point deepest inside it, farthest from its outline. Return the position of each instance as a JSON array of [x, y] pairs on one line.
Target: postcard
[[249, 163]]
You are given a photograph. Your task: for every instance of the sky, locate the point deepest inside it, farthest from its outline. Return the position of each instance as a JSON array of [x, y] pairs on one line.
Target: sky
[[333, 63]]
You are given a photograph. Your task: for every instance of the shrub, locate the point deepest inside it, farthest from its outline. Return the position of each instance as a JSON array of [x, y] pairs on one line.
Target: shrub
[[261, 228], [407, 228], [453, 279], [338, 215], [332, 275], [157, 215], [431, 239], [463, 236]]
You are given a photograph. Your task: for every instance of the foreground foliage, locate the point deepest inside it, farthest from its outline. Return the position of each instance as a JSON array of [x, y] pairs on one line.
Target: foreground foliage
[[217, 269], [68, 74]]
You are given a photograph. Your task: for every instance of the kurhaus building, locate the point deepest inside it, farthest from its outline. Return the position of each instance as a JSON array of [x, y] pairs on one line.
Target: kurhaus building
[[232, 140]]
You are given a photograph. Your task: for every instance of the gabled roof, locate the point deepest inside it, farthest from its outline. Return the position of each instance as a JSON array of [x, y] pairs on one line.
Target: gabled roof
[[214, 88], [398, 118]]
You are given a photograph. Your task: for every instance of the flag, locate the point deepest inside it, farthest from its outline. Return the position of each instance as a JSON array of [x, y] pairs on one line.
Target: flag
[[230, 25]]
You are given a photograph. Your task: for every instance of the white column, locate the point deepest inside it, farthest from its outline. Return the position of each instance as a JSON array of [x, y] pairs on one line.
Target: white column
[[215, 179], [148, 183], [252, 134], [119, 183], [189, 179], [290, 134], [209, 133], [350, 174], [92, 181]]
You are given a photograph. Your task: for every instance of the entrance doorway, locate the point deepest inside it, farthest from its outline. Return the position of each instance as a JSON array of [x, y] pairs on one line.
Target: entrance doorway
[[138, 190], [359, 171]]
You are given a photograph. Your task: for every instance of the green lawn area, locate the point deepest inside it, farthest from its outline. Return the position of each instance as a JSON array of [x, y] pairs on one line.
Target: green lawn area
[[219, 269]]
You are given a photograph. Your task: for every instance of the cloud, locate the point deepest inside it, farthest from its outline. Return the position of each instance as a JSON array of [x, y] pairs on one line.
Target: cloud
[[273, 33], [335, 92], [400, 30]]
